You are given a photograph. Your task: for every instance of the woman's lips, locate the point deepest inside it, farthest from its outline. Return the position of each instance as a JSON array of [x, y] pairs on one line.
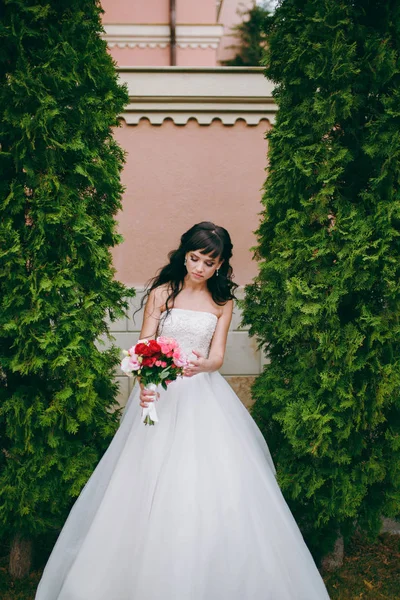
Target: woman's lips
[[199, 276]]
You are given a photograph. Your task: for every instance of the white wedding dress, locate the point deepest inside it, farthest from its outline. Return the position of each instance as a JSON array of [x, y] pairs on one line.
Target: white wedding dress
[[188, 509]]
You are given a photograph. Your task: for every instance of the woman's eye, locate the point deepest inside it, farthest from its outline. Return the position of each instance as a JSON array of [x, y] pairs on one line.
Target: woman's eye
[[194, 259]]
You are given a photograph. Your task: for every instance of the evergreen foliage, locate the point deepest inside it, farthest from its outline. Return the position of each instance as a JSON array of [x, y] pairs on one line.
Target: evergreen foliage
[[59, 189], [251, 36], [326, 300]]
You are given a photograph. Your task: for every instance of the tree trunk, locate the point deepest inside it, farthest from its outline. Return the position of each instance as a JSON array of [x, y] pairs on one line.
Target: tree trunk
[[334, 560], [20, 557]]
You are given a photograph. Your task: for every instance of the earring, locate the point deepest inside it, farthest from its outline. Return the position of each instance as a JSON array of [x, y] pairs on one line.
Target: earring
[[184, 262], [217, 272]]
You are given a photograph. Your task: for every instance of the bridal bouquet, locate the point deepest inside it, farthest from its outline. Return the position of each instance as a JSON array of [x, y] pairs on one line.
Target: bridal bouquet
[[155, 362]]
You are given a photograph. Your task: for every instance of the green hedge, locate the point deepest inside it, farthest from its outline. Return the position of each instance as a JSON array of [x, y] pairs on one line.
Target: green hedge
[[59, 191], [326, 301]]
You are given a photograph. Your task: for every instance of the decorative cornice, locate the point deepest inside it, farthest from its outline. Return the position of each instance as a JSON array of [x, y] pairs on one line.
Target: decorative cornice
[[201, 93], [152, 36]]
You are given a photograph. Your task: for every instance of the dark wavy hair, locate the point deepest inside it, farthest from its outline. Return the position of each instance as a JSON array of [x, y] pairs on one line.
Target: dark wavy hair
[[209, 239]]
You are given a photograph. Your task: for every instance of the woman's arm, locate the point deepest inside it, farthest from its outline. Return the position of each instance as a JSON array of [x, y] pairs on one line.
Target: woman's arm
[[151, 318], [152, 312], [218, 346]]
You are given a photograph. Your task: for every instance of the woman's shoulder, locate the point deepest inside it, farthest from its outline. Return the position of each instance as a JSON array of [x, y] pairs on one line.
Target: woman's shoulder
[[221, 310], [227, 308], [159, 295]]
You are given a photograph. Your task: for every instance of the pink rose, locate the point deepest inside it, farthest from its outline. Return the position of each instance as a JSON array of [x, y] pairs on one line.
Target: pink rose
[[166, 344], [180, 362], [130, 364]]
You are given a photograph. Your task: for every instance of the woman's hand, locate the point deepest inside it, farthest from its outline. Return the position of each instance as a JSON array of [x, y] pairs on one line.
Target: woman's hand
[[146, 396], [196, 365]]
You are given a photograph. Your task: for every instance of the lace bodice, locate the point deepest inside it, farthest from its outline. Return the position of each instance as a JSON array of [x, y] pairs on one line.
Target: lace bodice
[[193, 329]]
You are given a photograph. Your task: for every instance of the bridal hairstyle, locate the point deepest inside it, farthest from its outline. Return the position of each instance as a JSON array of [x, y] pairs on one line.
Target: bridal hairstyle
[[208, 239]]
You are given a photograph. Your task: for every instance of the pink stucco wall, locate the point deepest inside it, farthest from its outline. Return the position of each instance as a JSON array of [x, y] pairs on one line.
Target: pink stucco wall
[[160, 57], [200, 12], [141, 57], [132, 11], [196, 57], [177, 176], [157, 11]]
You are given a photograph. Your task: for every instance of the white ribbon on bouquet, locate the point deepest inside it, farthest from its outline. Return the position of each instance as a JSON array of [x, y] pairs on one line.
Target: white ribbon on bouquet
[[150, 409]]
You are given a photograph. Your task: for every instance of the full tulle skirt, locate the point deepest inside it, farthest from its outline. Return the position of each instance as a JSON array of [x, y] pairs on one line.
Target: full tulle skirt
[[188, 509]]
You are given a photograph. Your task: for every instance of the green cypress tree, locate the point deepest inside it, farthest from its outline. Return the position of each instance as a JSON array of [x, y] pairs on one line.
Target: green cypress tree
[[326, 301], [250, 33], [59, 191]]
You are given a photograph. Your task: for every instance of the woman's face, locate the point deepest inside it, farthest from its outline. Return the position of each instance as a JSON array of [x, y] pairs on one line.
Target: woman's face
[[201, 267]]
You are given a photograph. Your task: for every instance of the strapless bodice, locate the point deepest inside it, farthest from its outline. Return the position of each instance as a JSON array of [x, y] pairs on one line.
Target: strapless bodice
[[193, 329]]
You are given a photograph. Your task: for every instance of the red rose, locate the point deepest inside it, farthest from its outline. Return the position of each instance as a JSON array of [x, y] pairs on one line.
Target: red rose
[[150, 349], [149, 361], [142, 349], [155, 347]]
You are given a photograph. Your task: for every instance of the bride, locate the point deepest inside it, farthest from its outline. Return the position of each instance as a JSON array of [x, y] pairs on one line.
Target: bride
[[189, 509]]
